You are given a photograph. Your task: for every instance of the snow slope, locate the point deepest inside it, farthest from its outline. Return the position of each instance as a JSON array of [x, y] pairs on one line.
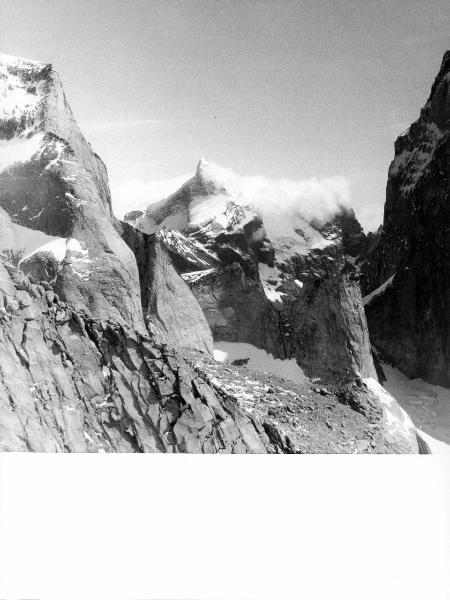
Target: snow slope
[[227, 352], [17, 237], [19, 149], [397, 421], [380, 290], [428, 405]]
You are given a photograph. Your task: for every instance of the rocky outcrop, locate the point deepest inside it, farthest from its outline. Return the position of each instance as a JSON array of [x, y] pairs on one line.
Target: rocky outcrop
[[172, 314], [344, 417], [236, 308], [329, 335], [72, 383], [407, 270], [52, 182]]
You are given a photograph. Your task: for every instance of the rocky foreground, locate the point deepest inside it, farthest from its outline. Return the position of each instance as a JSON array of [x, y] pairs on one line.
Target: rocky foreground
[[72, 383]]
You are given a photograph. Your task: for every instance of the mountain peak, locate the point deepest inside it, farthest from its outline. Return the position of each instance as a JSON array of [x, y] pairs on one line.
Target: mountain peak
[[202, 163], [211, 179], [8, 60], [442, 74]]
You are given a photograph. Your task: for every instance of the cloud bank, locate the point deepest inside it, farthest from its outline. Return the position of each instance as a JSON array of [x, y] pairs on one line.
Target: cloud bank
[[313, 199]]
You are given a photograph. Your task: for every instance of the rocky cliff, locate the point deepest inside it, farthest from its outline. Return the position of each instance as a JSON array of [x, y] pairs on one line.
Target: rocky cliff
[[171, 311], [406, 270], [51, 182]]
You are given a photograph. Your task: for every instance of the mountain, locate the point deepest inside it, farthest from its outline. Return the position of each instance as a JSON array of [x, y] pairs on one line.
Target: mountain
[[107, 327], [267, 271], [52, 182], [406, 269], [56, 203]]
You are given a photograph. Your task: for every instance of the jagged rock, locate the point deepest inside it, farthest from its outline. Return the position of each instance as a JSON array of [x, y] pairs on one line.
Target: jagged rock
[[171, 311], [351, 417], [71, 383], [407, 268], [74, 384], [52, 183]]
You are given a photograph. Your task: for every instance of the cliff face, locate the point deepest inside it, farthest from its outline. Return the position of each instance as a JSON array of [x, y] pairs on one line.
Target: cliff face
[[282, 283], [53, 184], [171, 311], [236, 308], [407, 271]]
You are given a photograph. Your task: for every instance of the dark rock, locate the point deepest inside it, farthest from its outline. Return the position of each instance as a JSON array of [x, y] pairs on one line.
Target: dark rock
[[409, 319], [171, 311]]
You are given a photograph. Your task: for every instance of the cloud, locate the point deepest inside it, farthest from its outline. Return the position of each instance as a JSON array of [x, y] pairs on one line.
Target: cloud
[[311, 199], [276, 198]]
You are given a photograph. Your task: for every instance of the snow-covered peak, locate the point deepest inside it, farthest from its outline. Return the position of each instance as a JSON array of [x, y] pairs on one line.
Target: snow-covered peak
[[15, 61], [202, 164], [23, 87], [212, 179], [313, 201]]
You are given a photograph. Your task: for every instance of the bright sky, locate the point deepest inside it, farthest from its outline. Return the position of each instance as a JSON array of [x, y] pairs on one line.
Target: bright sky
[[294, 89]]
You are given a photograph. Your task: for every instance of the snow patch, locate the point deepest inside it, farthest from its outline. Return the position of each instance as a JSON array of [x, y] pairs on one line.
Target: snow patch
[[56, 247], [397, 421], [71, 251], [435, 446], [412, 164], [18, 96], [192, 250], [270, 280], [427, 404], [227, 352], [380, 290], [19, 150], [195, 276], [17, 237]]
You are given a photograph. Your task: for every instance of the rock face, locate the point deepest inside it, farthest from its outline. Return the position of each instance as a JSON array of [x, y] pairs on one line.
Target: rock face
[[286, 284], [52, 182], [236, 308], [76, 384], [72, 383], [172, 314], [407, 270]]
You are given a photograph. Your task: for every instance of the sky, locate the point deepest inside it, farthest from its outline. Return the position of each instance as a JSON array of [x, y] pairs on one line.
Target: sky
[[288, 89]]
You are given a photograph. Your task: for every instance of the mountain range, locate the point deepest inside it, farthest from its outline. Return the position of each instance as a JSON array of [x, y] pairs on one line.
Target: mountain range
[[224, 318]]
